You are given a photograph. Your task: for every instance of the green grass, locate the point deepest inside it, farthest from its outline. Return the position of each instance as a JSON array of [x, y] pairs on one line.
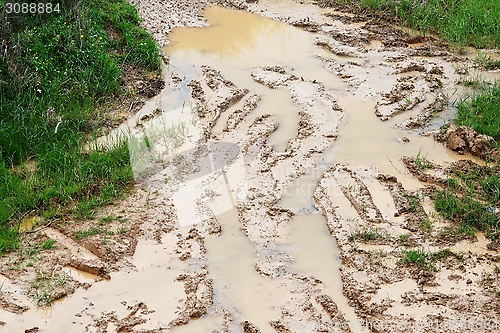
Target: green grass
[[48, 244], [44, 287], [466, 22], [100, 228], [369, 234], [472, 194], [414, 202], [81, 234], [56, 77], [482, 111], [444, 254], [486, 62], [468, 200], [422, 162], [423, 259], [426, 225], [415, 257], [491, 64]]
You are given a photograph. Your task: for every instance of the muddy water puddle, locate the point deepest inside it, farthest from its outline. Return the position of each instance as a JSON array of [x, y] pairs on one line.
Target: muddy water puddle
[[307, 249], [316, 254], [236, 43], [238, 287], [81, 276], [151, 282], [365, 140]]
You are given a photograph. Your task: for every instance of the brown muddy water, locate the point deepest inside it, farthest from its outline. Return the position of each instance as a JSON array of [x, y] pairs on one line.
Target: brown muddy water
[[235, 43]]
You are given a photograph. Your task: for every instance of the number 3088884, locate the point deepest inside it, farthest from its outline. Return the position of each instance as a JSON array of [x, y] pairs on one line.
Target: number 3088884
[[31, 8]]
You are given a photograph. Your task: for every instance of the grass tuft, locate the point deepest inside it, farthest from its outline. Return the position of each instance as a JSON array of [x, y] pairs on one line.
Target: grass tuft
[[482, 112], [415, 257], [368, 234]]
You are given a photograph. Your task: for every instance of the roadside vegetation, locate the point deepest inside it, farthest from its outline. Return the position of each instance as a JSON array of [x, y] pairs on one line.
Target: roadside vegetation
[[58, 73], [465, 22], [482, 111], [472, 196], [471, 199]]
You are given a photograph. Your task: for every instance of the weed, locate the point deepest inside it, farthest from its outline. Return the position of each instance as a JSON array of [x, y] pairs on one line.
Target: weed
[[444, 254], [81, 234], [471, 81], [415, 257], [413, 201], [466, 22], [40, 280], [452, 183], [106, 219], [492, 64], [61, 280], [470, 199], [29, 250], [48, 244], [482, 112], [366, 235], [426, 225], [8, 237], [43, 284], [43, 298], [470, 213], [422, 162], [404, 240], [487, 62]]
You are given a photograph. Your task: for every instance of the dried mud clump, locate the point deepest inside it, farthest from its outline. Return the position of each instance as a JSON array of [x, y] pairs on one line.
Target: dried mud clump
[[465, 140], [32, 330], [126, 324], [336, 48], [307, 25], [330, 307], [196, 90], [96, 268], [279, 326], [248, 327], [427, 114], [397, 192], [391, 37], [140, 86], [199, 290], [239, 115], [306, 128], [418, 171], [9, 305]]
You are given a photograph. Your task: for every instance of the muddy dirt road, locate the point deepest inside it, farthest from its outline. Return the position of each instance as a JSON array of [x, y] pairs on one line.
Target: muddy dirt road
[[276, 185]]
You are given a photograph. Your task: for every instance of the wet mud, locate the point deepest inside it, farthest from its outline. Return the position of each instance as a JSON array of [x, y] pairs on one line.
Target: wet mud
[[276, 181]]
